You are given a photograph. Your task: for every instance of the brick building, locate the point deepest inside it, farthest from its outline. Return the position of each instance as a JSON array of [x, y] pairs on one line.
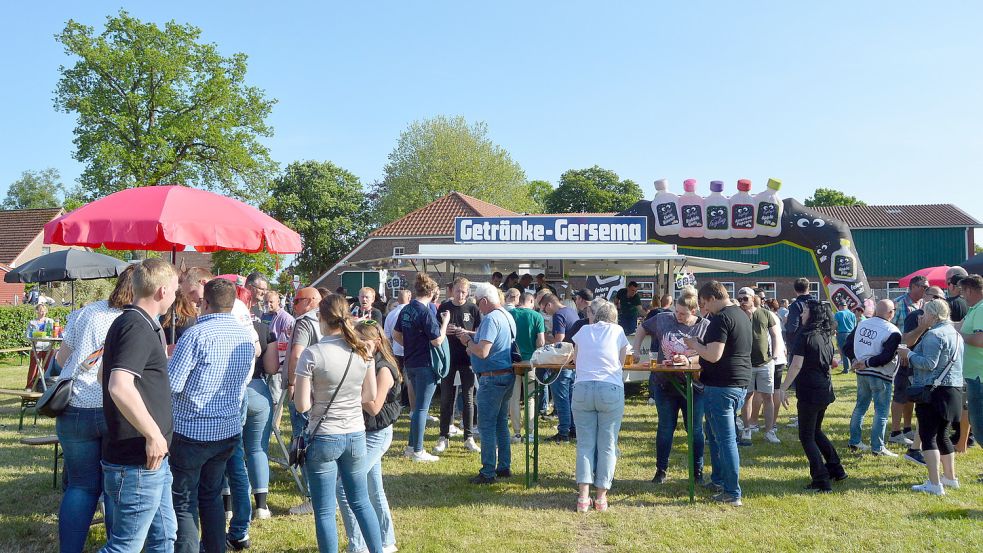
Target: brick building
[[892, 241], [22, 239]]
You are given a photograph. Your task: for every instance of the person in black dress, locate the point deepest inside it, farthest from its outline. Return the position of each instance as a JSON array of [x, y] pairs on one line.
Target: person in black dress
[[812, 357]]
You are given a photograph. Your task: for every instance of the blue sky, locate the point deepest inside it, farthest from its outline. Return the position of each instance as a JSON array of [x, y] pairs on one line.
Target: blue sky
[[879, 99]]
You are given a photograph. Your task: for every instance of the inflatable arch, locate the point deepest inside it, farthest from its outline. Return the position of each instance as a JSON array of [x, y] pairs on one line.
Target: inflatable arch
[[744, 221]]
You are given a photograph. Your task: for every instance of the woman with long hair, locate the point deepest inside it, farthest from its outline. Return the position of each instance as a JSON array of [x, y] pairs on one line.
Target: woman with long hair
[[379, 415], [812, 358], [82, 426], [334, 378], [182, 315]]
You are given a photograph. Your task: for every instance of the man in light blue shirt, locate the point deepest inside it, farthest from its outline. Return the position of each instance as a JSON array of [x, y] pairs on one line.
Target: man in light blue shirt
[[846, 321], [490, 349], [212, 363]]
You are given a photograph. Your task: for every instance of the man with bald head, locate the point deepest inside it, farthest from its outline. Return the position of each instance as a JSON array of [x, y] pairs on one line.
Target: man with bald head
[[874, 344]]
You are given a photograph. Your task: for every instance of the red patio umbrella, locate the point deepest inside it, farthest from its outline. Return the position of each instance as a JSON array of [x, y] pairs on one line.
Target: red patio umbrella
[[935, 276], [171, 218]]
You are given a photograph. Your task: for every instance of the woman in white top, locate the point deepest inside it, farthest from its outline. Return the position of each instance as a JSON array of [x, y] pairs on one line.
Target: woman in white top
[[81, 426], [598, 401], [334, 378], [39, 362]]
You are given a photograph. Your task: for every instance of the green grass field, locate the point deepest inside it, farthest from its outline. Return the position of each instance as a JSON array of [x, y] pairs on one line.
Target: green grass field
[[435, 509]]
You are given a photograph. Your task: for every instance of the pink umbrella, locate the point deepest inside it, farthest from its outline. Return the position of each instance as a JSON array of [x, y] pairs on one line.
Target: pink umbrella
[[935, 276], [239, 280]]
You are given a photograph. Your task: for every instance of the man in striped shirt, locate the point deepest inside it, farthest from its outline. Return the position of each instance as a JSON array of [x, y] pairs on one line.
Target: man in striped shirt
[[208, 375]]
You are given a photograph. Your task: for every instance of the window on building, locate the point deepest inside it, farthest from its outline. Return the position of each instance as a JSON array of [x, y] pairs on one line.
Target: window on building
[[814, 291], [894, 290], [647, 292], [770, 289], [398, 250], [729, 286]]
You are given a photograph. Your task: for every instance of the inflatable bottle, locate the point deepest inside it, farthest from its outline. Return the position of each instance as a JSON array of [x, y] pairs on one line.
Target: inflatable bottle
[[742, 212], [843, 266], [717, 212], [665, 207], [691, 212], [768, 210]]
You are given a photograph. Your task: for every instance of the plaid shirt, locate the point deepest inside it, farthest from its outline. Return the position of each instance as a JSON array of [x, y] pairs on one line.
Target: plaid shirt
[[208, 373]]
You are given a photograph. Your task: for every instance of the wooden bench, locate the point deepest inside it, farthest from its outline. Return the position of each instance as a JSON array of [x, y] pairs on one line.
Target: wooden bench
[[28, 399], [43, 441], [24, 351]]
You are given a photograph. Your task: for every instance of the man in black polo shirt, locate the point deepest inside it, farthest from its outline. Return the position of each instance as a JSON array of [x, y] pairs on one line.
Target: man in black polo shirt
[[136, 401], [464, 318], [725, 359]]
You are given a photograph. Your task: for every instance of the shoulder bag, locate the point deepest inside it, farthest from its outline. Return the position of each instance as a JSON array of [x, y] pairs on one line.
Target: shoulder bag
[[923, 394], [298, 446], [56, 398]]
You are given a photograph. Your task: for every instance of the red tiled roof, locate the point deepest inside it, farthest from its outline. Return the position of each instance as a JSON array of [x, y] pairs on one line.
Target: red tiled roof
[[609, 214], [19, 227], [437, 218], [900, 216]]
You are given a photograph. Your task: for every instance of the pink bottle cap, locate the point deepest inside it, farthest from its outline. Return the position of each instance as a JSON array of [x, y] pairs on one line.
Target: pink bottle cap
[[689, 185], [716, 186], [744, 185]]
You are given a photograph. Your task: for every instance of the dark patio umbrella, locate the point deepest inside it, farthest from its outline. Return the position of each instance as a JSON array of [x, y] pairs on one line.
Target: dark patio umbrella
[[67, 265], [973, 265]]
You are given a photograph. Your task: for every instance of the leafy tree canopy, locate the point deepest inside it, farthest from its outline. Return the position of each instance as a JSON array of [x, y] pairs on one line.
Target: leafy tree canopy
[[825, 197], [592, 190], [157, 106], [35, 190]]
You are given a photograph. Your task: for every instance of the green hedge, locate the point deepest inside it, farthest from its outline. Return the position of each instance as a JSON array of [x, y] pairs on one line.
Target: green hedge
[[14, 319]]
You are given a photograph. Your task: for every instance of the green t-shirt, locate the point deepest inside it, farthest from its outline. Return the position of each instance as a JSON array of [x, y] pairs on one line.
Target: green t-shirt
[[528, 324], [628, 307], [973, 356], [760, 323]]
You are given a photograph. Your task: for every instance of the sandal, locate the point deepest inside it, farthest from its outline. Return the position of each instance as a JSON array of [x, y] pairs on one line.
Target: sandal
[[601, 505], [583, 504]]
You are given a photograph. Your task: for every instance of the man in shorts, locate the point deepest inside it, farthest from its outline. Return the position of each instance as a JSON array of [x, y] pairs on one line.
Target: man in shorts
[[763, 330]]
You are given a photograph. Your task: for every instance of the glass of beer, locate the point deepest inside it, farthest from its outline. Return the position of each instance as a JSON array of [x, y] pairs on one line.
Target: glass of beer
[[629, 359]]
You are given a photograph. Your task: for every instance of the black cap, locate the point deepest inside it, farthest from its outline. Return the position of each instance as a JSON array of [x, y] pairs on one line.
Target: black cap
[[584, 294]]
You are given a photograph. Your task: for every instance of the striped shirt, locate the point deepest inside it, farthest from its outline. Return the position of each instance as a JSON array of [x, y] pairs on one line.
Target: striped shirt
[[208, 373]]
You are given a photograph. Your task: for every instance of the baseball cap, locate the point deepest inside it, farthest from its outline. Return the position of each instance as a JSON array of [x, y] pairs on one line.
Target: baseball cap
[[746, 291], [584, 294]]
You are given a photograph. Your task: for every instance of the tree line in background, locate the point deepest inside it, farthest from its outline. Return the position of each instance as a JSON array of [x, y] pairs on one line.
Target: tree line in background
[[158, 106]]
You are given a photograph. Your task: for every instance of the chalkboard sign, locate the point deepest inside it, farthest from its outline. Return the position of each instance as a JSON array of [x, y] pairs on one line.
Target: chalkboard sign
[[692, 216], [767, 214], [717, 217], [844, 267], [666, 214], [742, 217]]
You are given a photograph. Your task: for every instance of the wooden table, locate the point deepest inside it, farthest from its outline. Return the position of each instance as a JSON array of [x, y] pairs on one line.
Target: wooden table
[[533, 395], [43, 357]]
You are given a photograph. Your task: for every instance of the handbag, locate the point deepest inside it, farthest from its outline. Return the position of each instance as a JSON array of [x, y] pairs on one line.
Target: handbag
[[297, 454], [55, 399], [559, 353], [923, 394]]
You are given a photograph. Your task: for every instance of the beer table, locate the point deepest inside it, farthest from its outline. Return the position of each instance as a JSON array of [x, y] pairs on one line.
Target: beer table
[[534, 392]]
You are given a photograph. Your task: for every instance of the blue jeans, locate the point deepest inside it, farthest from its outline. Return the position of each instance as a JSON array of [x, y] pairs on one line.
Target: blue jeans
[[80, 432], [721, 405], [629, 324], [599, 406], [141, 507], [494, 393], [256, 434], [974, 398], [669, 404], [871, 388], [198, 469], [376, 445], [330, 456], [238, 482], [560, 390], [840, 342], [298, 422], [424, 385]]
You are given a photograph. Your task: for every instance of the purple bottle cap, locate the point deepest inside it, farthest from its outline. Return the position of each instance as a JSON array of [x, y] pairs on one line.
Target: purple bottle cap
[[716, 186], [689, 185]]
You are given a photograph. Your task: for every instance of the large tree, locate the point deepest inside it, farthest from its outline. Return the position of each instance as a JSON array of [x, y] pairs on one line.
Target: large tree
[[539, 193], [825, 197], [35, 190], [592, 190], [436, 156], [156, 106], [326, 205], [239, 263]]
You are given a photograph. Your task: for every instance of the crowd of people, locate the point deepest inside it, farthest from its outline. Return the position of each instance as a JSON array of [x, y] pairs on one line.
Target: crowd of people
[[179, 381]]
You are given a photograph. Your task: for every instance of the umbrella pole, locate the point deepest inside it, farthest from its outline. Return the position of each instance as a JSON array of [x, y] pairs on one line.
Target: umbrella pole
[[174, 312]]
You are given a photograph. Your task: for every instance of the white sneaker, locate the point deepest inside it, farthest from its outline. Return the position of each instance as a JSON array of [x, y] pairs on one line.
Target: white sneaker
[[516, 438], [432, 420], [305, 508], [771, 437], [794, 423], [261, 514], [408, 451], [471, 446], [900, 439], [441, 446], [740, 425], [929, 488], [858, 448], [390, 549], [424, 457], [885, 452], [954, 484], [454, 431], [746, 435]]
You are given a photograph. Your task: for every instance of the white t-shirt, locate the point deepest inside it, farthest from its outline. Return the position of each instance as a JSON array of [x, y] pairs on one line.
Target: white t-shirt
[[599, 348], [390, 326]]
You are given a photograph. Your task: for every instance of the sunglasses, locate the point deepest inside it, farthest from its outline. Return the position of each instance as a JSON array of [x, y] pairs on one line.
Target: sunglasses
[[743, 299]]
